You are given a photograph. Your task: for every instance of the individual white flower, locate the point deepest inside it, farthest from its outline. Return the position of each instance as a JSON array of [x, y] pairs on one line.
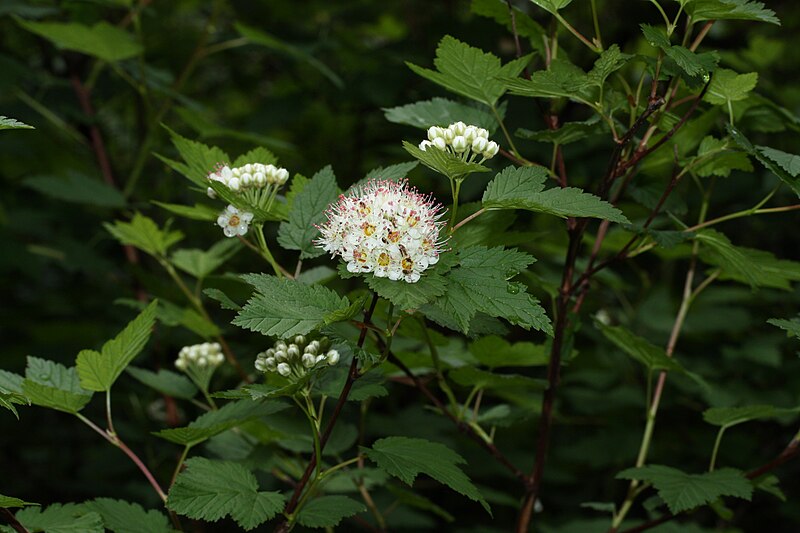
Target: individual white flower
[[234, 222], [385, 228], [199, 362], [465, 141]]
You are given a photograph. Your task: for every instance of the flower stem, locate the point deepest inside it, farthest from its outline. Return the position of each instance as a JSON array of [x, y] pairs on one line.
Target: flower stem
[[455, 187], [714, 452]]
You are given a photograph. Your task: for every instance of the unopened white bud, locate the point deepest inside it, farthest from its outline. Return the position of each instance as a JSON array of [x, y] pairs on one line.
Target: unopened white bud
[[300, 340], [293, 352], [483, 132], [248, 168], [470, 133], [282, 175], [458, 128], [202, 362], [211, 193], [308, 360], [459, 144], [260, 366], [270, 363], [280, 345], [434, 132], [319, 359], [491, 149], [280, 356], [440, 143], [448, 134], [479, 145], [332, 357], [424, 145], [180, 364], [234, 184], [284, 369]]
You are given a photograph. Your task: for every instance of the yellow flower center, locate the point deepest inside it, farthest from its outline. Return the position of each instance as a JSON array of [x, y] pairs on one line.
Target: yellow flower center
[[384, 259], [407, 265], [369, 229], [234, 220]]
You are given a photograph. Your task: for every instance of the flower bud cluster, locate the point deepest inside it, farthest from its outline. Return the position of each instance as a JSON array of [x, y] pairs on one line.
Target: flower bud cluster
[[296, 358], [462, 140], [386, 228], [200, 361], [249, 176]]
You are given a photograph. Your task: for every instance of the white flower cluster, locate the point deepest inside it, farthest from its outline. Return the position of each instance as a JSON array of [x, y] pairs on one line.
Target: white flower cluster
[[249, 176], [296, 358], [234, 222], [386, 228], [200, 361], [464, 141]]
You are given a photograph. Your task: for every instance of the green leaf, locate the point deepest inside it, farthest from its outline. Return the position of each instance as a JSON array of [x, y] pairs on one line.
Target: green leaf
[[470, 71], [11, 392], [7, 502], [788, 162], [173, 315], [102, 40], [328, 511], [210, 490], [469, 376], [656, 36], [49, 384], [689, 63], [215, 422], [7, 123], [767, 157], [256, 155], [262, 38], [74, 187], [682, 491], [407, 296], [479, 284], [445, 163], [143, 233], [610, 60], [730, 9], [406, 458], [638, 348], [165, 381], [307, 211], [523, 188], [731, 416], [124, 517], [99, 370], [439, 112], [790, 326], [57, 518], [201, 263], [562, 80], [392, 172], [524, 25], [199, 159], [193, 212], [716, 159], [567, 133], [224, 300], [495, 352], [341, 315], [284, 308], [728, 86], [552, 5]]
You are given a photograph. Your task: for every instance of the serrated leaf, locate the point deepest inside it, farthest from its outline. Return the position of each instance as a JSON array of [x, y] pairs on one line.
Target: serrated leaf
[[201, 263], [767, 161], [199, 159], [102, 40], [479, 284], [165, 381], [790, 326], [392, 172], [99, 370], [57, 518], [307, 211], [440, 112], [656, 36], [74, 187], [524, 25], [8, 123], [49, 384], [523, 188], [610, 60], [328, 511], [283, 308], [445, 163], [496, 352], [7, 502], [470, 71], [716, 159], [210, 490], [125, 517], [143, 233], [224, 300], [788, 162], [728, 86], [682, 491], [406, 458], [340, 315], [215, 422], [562, 80], [732, 416], [639, 349], [730, 9], [256, 155], [408, 296]]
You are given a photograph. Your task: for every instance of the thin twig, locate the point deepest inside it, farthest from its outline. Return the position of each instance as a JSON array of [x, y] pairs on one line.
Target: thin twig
[[12, 520]]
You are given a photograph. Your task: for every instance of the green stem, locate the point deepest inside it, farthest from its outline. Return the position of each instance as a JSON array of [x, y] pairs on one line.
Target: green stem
[[109, 420], [265, 252], [598, 39], [507, 135], [713, 461], [663, 15], [437, 365], [339, 466], [576, 33], [455, 188], [180, 464]]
